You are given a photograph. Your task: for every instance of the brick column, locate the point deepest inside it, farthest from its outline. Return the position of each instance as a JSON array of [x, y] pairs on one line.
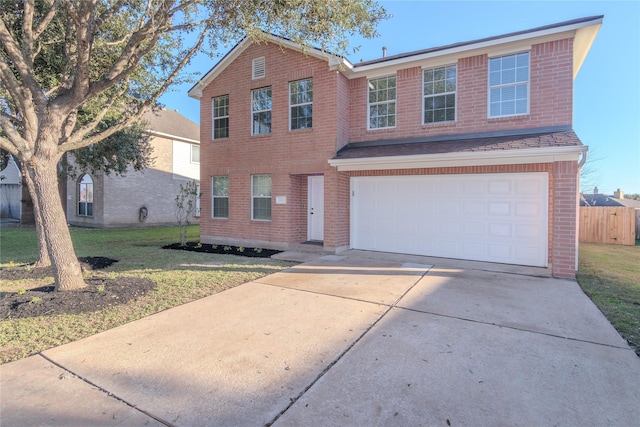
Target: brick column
[[565, 213]]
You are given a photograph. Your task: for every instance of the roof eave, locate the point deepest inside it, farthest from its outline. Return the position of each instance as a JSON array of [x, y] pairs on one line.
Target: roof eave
[[585, 32], [484, 158], [334, 61]]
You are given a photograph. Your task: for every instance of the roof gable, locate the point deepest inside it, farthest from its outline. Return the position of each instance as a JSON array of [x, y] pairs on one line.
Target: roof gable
[[171, 124], [243, 45]]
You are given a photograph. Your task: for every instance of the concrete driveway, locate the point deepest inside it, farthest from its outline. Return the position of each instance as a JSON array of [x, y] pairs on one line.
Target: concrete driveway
[[362, 339]]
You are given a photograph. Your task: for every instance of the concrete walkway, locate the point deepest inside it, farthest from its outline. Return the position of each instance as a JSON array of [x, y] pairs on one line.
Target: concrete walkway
[[362, 339]]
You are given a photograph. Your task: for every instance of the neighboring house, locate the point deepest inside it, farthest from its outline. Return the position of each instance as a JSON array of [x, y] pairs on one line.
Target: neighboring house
[[146, 197], [462, 151], [598, 199], [11, 190]]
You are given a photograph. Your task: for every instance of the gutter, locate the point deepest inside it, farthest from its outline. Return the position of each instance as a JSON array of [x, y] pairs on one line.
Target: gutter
[[472, 158]]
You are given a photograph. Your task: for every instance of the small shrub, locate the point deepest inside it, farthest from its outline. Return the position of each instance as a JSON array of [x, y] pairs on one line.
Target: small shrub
[[21, 291], [257, 250], [227, 248], [35, 300], [240, 249], [101, 289]]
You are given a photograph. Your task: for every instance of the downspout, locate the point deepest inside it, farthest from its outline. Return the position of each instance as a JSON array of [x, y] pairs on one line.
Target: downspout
[[581, 163], [584, 158]]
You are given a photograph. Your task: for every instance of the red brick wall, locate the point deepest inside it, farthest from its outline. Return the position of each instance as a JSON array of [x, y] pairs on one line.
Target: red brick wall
[[289, 156], [565, 212], [551, 98]]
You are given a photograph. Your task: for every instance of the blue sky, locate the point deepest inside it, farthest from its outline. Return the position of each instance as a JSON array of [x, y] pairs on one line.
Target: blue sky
[[607, 88]]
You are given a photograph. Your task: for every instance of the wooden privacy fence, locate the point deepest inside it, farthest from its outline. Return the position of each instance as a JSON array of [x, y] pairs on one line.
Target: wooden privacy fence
[[608, 224]]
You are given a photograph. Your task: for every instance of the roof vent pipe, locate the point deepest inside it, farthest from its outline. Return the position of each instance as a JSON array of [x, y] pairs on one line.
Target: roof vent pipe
[[384, 51]]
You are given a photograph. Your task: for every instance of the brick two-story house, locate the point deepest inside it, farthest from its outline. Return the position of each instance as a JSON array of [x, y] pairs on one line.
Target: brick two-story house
[[462, 151]]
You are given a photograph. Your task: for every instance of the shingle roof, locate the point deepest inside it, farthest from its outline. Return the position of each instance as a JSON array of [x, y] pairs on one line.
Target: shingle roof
[[172, 123], [534, 138], [604, 200], [486, 39]]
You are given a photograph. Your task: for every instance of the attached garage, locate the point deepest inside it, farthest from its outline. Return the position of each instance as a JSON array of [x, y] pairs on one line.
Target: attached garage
[[495, 217]]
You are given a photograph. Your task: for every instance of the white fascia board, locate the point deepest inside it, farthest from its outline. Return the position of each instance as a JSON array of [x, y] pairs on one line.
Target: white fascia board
[[196, 91], [175, 137], [333, 60], [490, 45], [482, 158], [582, 44]]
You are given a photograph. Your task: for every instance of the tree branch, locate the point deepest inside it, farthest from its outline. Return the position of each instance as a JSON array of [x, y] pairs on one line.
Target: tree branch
[[47, 19], [22, 104]]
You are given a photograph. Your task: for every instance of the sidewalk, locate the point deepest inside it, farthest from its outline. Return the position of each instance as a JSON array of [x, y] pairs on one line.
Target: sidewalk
[[345, 341]]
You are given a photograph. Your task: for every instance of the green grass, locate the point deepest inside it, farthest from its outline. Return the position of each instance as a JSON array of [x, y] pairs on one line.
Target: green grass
[[610, 276], [181, 277]]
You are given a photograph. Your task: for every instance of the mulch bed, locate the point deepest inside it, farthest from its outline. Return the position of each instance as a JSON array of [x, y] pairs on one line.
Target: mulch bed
[[223, 249], [100, 293]]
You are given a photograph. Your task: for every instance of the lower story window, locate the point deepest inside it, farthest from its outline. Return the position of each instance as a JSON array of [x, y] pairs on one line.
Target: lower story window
[[220, 197], [261, 197], [85, 196]]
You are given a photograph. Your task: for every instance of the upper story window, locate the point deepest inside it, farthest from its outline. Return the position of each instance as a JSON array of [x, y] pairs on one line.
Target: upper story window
[[261, 197], [439, 86], [85, 196], [220, 197], [258, 68], [195, 153], [382, 102], [261, 111], [220, 112], [509, 85], [301, 104]]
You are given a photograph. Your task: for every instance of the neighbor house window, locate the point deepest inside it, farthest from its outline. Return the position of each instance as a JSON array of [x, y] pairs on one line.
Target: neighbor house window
[[439, 86], [220, 109], [261, 197], [261, 111], [220, 197], [85, 196], [195, 153], [509, 85], [301, 103], [382, 102]]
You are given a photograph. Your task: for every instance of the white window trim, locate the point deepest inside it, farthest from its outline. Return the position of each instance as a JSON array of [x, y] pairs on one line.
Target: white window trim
[[380, 103], [192, 147], [79, 193], [213, 117], [260, 111], [489, 87], [455, 93], [263, 197], [299, 105], [213, 197]]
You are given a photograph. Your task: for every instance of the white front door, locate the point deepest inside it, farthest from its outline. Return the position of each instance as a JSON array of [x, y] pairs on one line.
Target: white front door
[[315, 210]]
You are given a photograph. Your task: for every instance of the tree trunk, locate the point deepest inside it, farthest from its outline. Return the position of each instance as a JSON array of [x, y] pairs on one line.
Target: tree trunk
[[43, 255], [67, 271]]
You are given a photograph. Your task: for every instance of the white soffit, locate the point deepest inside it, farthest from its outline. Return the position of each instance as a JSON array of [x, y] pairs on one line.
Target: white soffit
[[582, 44], [483, 158]]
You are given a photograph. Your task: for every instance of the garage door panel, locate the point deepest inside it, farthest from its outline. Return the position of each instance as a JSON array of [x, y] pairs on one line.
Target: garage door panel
[[485, 217]]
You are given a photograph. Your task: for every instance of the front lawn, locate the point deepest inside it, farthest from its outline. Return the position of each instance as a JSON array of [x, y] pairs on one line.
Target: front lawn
[[180, 277], [610, 276]]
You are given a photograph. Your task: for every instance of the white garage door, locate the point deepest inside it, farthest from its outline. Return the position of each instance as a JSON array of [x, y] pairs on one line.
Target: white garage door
[[484, 217]]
